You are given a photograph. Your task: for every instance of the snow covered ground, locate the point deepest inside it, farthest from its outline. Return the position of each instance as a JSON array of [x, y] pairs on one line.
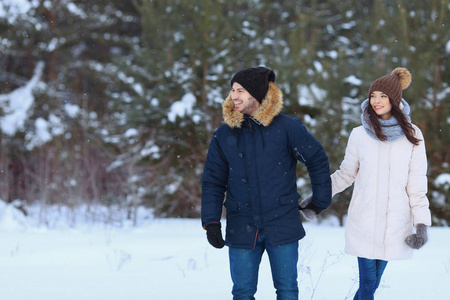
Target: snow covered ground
[[168, 259]]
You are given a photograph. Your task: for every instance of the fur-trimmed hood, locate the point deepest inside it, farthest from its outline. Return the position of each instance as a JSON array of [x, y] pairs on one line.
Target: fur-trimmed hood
[[270, 107]]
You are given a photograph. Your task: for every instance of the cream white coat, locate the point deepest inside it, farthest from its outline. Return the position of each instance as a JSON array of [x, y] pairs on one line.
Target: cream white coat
[[389, 195]]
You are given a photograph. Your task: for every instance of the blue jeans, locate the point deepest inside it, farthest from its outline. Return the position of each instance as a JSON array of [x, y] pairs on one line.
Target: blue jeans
[[370, 272], [244, 267]]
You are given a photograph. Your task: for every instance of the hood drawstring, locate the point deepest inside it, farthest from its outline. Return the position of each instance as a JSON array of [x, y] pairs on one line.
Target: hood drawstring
[[262, 136], [251, 131], [238, 135], [260, 130], [250, 125]]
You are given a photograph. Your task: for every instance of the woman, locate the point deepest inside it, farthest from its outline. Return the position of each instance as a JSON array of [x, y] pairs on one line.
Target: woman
[[386, 159]]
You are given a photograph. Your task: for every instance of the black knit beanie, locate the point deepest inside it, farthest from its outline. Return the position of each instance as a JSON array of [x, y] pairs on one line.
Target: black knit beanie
[[255, 81]]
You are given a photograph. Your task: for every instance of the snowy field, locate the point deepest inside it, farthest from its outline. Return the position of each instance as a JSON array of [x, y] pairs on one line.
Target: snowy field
[[170, 259]]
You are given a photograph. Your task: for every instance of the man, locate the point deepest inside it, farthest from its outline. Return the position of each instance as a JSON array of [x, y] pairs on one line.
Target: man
[[252, 158]]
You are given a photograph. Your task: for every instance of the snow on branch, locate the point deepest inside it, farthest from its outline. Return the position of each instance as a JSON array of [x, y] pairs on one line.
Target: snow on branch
[[17, 103]]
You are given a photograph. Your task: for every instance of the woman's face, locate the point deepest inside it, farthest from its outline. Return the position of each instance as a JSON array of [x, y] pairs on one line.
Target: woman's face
[[381, 105]]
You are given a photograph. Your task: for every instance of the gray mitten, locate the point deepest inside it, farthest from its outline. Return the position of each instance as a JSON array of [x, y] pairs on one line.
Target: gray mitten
[[306, 207], [417, 240]]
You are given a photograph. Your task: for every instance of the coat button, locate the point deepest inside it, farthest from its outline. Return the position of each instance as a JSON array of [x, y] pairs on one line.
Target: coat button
[[244, 180], [248, 227], [241, 155]]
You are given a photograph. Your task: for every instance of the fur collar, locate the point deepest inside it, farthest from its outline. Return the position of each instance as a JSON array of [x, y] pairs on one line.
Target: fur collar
[[269, 109]]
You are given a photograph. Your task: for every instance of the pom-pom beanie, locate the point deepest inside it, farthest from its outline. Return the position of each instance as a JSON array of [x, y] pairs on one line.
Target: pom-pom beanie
[[393, 84]]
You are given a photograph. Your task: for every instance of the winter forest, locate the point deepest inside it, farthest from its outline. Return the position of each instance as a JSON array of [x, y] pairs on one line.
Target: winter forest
[[112, 104]]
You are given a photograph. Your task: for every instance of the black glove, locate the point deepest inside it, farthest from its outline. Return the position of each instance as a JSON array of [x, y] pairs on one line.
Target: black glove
[[214, 235], [308, 209], [417, 240]]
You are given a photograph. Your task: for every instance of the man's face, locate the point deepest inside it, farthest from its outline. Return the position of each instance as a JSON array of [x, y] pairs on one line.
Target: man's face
[[243, 101]]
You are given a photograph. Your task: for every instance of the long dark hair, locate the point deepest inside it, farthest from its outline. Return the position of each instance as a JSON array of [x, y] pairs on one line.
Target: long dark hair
[[406, 126]]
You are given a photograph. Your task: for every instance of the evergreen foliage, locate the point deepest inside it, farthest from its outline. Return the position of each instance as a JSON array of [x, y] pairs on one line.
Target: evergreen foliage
[[116, 74]]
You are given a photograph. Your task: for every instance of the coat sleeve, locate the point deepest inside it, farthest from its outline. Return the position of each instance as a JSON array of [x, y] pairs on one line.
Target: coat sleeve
[[417, 183], [214, 183], [349, 168], [310, 152]]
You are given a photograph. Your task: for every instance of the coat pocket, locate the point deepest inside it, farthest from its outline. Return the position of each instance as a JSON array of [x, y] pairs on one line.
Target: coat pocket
[[286, 205], [237, 207], [288, 200], [231, 206]]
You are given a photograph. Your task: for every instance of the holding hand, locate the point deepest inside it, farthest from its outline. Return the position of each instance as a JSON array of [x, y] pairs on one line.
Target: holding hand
[[307, 208], [214, 235], [417, 240]]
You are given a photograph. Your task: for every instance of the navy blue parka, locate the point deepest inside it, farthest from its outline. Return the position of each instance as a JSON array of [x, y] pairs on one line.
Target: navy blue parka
[[251, 162]]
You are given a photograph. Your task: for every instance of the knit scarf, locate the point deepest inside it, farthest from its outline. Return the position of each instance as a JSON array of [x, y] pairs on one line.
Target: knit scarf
[[390, 128]]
